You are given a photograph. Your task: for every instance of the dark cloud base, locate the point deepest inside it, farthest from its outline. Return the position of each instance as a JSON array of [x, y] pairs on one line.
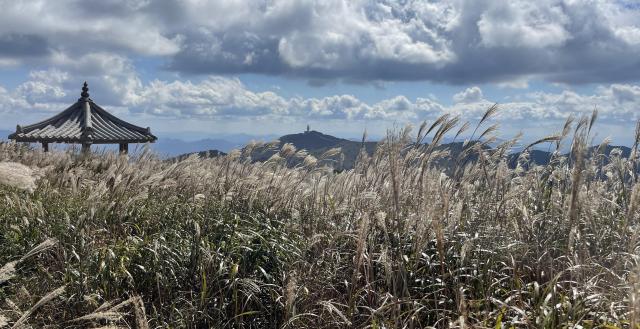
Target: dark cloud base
[[19, 45]]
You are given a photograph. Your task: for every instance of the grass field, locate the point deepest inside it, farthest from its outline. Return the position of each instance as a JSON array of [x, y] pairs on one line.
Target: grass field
[[113, 241]]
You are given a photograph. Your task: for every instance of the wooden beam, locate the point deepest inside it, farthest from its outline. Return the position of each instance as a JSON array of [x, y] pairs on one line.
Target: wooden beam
[[86, 148], [124, 148], [45, 147]]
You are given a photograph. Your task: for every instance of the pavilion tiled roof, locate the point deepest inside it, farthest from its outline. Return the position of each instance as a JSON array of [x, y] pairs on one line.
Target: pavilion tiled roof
[[83, 122]]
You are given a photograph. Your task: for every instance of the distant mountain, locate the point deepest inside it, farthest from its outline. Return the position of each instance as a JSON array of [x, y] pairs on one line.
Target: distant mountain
[[202, 154], [234, 138], [539, 157], [171, 147], [313, 140], [4, 134], [316, 144], [536, 157], [244, 139]]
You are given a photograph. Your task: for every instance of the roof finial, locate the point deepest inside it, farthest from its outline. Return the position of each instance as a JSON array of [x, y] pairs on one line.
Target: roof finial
[[85, 90]]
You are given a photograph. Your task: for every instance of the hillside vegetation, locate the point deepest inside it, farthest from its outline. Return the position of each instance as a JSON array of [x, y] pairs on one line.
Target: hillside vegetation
[[112, 241], [316, 144]]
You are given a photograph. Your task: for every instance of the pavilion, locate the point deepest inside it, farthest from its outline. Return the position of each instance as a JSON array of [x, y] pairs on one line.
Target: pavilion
[[84, 123]]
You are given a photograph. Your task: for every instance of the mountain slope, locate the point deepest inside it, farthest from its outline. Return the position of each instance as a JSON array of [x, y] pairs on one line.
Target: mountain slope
[[539, 157], [174, 147], [202, 154], [316, 144], [4, 134]]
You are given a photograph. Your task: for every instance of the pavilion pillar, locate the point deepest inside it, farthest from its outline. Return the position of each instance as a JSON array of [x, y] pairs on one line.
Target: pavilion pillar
[[45, 147], [124, 148], [86, 148]]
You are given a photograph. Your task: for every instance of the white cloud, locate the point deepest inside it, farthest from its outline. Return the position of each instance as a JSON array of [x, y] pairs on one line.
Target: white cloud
[[214, 97], [624, 94], [43, 86], [220, 98], [524, 23], [469, 95], [113, 77], [222, 101], [518, 83]]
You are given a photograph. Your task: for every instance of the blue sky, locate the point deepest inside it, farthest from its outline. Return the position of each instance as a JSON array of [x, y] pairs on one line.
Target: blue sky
[[204, 68]]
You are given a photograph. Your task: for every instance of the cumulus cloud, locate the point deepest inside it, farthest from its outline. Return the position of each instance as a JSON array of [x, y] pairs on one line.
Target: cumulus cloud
[[469, 95], [112, 77], [214, 97], [443, 41], [221, 98], [524, 24], [315, 39], [571, 41], [43, 87]]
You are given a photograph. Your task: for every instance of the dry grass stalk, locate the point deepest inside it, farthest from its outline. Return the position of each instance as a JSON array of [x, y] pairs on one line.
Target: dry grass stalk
[[4, 321], [18, 176], [8, 271], [44, 300], [634, 299], [140, 314]]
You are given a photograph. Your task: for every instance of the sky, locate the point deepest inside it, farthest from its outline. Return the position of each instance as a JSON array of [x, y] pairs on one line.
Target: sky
[[269, 67]]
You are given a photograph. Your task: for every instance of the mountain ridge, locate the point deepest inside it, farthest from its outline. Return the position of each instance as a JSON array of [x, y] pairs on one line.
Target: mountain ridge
[[316, 143]]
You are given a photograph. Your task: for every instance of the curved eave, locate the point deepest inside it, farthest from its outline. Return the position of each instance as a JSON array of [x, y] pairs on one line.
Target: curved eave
[[108, 128], [119, 121], [151, 139], [50, 120]]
